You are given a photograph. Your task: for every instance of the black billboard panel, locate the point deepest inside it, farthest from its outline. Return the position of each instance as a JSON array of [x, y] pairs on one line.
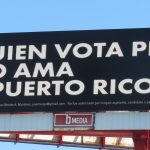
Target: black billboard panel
[[93, 70]]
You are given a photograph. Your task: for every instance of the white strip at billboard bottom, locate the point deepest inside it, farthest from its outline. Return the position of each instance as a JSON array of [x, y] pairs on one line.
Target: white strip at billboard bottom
[[26, 122], [122, 121]]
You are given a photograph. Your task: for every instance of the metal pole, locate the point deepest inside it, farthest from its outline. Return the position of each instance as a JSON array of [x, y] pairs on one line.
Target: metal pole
[[141, 140]]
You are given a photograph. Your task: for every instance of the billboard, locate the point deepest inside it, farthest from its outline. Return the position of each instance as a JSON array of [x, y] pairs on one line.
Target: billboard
[[75, 71]]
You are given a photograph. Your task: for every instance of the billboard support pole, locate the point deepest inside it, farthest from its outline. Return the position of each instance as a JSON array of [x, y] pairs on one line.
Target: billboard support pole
[[60, 141], [103, 142], [17, 138], [141, 141]]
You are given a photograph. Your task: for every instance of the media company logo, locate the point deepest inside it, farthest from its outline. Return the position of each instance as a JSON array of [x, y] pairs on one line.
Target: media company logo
[[73, 120]]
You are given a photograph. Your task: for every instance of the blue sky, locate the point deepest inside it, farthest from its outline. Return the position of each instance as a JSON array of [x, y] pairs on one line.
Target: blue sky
[[20, 146], [58, 15], [49, 15]]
